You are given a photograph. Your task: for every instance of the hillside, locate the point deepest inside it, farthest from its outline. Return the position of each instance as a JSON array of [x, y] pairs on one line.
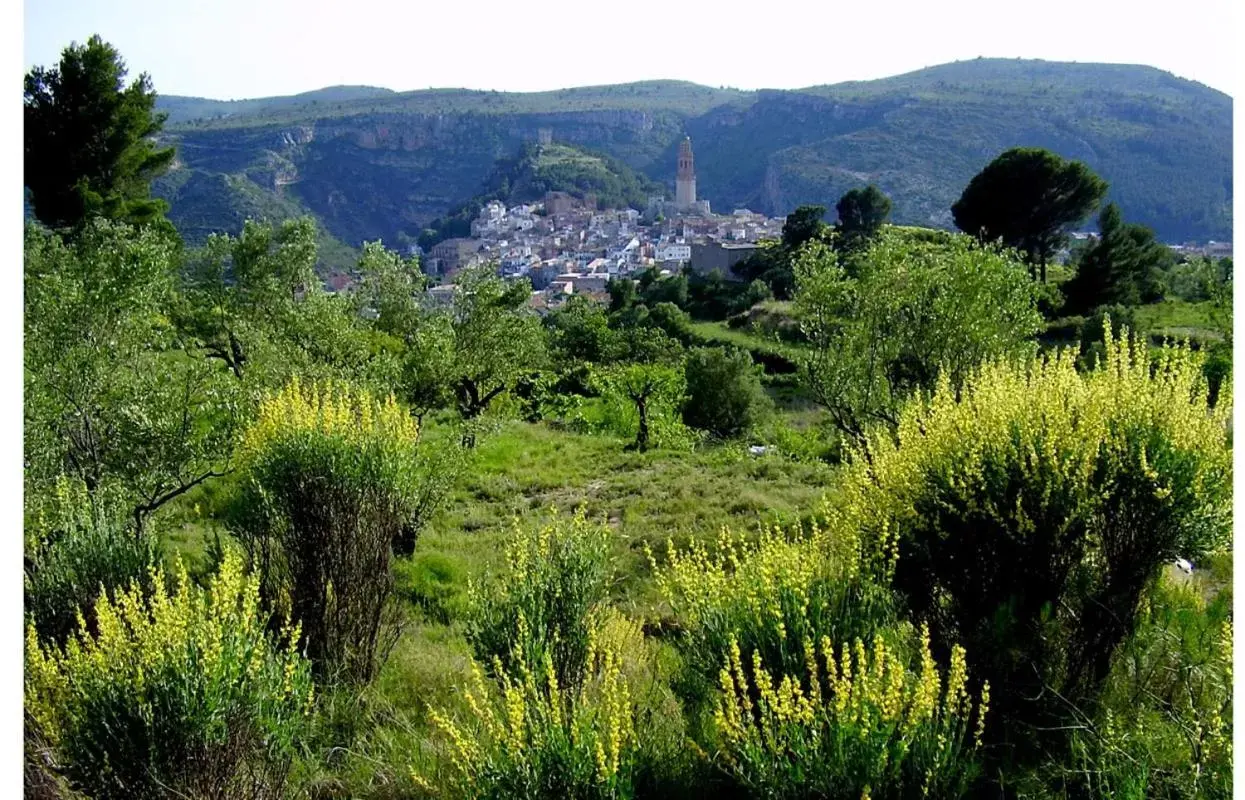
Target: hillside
[[547, 168], [373, 164]]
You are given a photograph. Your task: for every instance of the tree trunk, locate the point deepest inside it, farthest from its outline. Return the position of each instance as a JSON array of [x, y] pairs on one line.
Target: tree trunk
[[641, 438]]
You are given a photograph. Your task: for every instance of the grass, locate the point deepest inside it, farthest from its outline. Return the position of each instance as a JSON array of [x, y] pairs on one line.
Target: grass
[[520, 472], [1179, 318], [524, 470]]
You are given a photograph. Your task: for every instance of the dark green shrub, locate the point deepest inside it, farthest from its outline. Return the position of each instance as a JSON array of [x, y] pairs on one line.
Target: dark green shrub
[[1026, 514], [1165, 727], [724, 394]]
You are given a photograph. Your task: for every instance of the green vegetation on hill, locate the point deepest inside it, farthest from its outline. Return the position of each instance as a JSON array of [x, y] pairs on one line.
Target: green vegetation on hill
[[373, 167], [538, 169], [204, 203]]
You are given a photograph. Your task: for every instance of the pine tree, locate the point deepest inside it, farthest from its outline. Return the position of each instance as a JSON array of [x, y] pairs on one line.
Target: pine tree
[[88, 139]]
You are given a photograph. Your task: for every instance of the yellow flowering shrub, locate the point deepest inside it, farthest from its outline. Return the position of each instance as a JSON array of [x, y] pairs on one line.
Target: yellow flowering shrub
[[529, 736], [854, 721], [768, 595], [332, 410], [76, 542], [181, 692], [545, 600], [332, 479], [1026, 512]]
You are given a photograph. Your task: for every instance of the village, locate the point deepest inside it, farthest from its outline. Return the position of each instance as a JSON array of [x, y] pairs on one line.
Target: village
[[565, 245]]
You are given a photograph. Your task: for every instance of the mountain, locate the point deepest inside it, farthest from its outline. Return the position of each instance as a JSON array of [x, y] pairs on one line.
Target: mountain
[[370, 163], [188, 109]]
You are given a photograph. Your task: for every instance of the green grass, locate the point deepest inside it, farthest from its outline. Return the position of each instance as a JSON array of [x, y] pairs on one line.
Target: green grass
[[524, 470], [1179, 318], [720, 333], [519, 473]]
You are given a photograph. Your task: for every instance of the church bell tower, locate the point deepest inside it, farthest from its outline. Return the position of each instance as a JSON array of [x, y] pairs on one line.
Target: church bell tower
[[685, 182]]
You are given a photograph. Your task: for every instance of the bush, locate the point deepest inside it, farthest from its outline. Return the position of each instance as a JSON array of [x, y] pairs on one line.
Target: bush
[[535, 737], [724, 394], [178, 694], [861, 725], [77, 544], [1166, 727], [767, 597], [1121, 319], [333, 478], [1026, 514], [545, 602]]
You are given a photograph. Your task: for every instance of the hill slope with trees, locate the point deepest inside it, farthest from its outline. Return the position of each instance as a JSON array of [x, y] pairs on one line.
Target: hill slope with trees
[[373, 165]]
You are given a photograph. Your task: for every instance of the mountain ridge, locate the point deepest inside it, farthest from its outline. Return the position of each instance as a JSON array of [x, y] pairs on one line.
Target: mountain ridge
[[372, 163]]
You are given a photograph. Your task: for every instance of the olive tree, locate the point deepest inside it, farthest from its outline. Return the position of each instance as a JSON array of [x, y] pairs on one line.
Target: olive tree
[[910, 311]]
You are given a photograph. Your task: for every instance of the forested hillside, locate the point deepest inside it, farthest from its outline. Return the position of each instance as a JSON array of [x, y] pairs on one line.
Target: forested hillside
[[378, 165], [547, 168]]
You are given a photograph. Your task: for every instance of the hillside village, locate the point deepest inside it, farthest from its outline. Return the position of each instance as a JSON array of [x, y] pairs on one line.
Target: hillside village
[[566, 245]]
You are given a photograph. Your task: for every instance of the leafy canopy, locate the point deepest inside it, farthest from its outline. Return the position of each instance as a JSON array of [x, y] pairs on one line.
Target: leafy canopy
[[1028, 197], [913, 310], [88, 139]]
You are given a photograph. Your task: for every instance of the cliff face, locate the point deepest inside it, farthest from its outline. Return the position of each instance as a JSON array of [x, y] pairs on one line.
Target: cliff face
[[385, 167]]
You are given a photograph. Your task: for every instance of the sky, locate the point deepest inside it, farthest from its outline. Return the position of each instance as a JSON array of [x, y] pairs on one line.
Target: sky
[[234, 49]]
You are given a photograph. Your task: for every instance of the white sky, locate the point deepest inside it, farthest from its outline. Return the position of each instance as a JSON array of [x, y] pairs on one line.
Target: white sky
[[229, 49]]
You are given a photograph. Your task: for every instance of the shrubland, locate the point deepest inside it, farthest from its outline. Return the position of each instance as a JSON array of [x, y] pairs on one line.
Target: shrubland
[[907, 551]]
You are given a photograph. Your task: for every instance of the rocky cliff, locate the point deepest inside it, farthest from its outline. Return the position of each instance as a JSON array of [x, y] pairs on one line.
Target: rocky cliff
[[384, 165]]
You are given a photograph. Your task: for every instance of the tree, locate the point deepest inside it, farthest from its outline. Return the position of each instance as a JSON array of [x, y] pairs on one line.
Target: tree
[[861, 214], [88, 139], [724, 394], [1028, 197], [672, 320], [1123, 265], [650, 375], [914, 311], [495, 338], [579, 332], [256, 304], [805, 224], [113, 396], [623, 294]]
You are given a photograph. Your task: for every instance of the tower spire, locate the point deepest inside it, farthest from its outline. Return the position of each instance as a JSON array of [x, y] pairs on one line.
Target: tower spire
[[685, 180]]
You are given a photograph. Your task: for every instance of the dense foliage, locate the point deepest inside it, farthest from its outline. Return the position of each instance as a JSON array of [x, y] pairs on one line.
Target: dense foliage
[[912, 312], [88, 139], [180, 691], [332, 477], [1028, 197], [547, 601], [958, 553], [1027, 514], [112, 395], [1124, 265], [856, 722], [77, 544], [724, 394]]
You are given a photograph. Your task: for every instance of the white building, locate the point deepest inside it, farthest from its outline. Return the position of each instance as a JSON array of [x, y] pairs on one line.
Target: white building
[[674, 252]]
